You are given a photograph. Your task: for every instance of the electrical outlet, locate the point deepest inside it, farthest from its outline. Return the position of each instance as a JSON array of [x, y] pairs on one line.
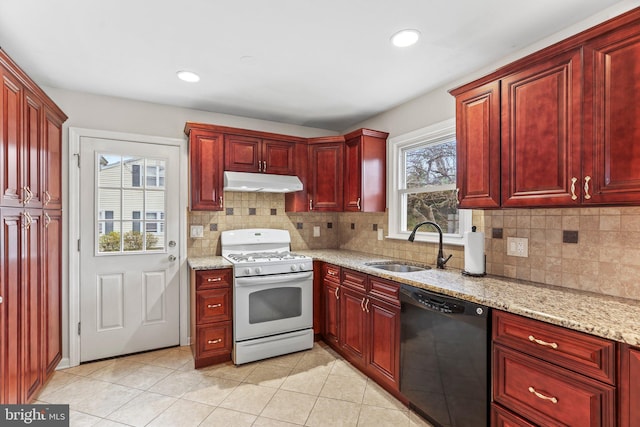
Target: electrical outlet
[[196, 231], [518, 246], [316, 231]]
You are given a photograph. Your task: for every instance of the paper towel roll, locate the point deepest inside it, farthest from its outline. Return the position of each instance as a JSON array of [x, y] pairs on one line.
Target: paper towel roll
[[474, 253]]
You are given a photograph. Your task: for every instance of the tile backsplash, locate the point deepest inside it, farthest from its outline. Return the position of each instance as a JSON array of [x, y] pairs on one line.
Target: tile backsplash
[[605, 259]]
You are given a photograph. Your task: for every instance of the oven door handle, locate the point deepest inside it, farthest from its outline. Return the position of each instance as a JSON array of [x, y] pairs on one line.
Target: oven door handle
[[277, 279]]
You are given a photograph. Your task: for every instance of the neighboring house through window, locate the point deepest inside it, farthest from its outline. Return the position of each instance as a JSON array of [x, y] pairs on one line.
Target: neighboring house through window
[[422, 172]]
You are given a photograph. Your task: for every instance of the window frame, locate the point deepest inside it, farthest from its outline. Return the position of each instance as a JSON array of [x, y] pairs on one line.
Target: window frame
[[396, 145]]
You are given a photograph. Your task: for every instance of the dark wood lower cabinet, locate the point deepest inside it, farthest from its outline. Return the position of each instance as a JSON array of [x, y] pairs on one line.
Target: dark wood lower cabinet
[[501, 417], [331, 308], [354, 333], [384, 347], [629, 386]]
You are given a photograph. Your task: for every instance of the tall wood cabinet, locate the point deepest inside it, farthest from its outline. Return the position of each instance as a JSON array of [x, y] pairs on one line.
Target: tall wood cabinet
[[365, 166], [30, 235], [567, 116], [206, 169]]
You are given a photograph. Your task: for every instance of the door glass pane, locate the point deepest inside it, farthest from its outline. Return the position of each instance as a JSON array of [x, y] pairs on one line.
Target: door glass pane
[[274, 304], [131, 204]]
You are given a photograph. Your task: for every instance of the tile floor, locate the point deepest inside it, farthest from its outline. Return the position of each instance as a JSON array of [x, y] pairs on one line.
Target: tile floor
[[161, 388]]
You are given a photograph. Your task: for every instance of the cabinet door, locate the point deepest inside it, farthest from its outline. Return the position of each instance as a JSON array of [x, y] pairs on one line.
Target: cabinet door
[[325, 186], [384, 345], [32, 149], [11, 193], [353, 326], [206, 164], [10, 279], [31, 309], [331, 307], [478, 147], [52, 161], [353, 175], [52, 290], [277, 157], [242, 153], [629, 386], [541, 133], [612, 90]]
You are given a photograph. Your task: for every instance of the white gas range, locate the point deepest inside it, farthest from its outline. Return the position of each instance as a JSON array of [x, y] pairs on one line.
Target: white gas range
[[273, 294]]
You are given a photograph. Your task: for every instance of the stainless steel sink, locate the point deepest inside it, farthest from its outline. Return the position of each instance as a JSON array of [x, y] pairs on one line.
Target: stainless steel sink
[[398, 267]]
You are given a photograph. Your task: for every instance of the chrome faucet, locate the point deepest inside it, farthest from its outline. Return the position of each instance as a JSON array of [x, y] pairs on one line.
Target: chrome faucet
[[441, 259]]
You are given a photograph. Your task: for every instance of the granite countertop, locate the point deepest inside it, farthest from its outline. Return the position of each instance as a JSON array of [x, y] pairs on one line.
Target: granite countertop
[[614, 318]]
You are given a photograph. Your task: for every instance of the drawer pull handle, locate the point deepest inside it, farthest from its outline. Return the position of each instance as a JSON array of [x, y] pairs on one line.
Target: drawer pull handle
[[214, 305], [542, 396], [331, 273], [366, 306], [586, 187], [214, 279], [215, 341], [573, 188], [544, 343], [362, 303]]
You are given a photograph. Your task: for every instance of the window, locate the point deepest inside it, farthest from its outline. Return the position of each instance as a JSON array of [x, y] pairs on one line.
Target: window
[[135, 176], [105, 227], [422, 184], [136, 224], [155, 176], [153, 226]]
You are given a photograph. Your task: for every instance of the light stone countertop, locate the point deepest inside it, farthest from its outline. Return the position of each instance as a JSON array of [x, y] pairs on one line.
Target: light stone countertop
[[614, 318]]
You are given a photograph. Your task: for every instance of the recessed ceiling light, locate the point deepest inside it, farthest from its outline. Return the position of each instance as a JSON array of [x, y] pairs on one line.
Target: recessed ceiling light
[[188, 76], [405, 38]]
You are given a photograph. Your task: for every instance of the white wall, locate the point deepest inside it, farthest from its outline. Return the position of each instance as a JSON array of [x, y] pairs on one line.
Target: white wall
[[438, 105], [127, 116]]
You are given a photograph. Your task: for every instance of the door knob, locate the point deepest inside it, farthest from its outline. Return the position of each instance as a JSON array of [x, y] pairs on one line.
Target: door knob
[[172, 244], [172, 257]]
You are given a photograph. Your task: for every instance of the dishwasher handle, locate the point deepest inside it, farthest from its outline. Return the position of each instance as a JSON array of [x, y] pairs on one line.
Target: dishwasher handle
[[439, 303]]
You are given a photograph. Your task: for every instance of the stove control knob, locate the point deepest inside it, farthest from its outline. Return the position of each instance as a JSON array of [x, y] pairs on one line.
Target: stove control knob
[[294, 267], [302, 267], [247, 271], [258, 270]]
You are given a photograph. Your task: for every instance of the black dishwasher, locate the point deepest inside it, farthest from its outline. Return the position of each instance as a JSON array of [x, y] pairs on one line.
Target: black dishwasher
[[444, 361]]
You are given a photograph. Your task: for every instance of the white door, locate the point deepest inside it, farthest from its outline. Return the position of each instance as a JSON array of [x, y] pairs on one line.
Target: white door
[[129, 228]]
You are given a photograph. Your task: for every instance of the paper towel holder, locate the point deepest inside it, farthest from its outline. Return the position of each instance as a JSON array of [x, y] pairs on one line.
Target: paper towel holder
[[466, 273]]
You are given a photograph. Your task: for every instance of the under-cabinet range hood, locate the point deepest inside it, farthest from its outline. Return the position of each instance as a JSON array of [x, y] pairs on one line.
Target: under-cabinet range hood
[[261, 182]]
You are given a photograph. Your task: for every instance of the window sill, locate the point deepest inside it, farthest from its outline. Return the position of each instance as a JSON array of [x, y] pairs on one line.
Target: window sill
[[429, 238]]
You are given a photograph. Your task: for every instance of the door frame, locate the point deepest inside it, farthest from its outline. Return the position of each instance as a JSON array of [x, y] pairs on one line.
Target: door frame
[[73, 218]]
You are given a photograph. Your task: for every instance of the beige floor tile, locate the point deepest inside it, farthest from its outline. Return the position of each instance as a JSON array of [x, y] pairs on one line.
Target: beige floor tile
[[88, 368], [74, 392], [222, 417], [286, 361], [289, 406], [58, 380], [309, 380], [142, 409], [248, 398], [173, 359], [374, 395], [416, 420], [268, 375], [80, 419], [346, 369], [230, 371], [316, 359], [177, 383], [116, 371], [182, 413], [270, 422], [211, 390], [109, 423], [145, 377], [334, 413], [102, 403], [382, 417], [338, 387]]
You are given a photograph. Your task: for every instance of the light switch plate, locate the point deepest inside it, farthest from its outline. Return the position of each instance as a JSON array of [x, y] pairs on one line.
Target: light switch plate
[[196, 231], [316, 231], [518, 246]]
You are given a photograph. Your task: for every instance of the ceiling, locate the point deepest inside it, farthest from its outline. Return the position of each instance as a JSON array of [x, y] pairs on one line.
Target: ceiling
[[326, 64]]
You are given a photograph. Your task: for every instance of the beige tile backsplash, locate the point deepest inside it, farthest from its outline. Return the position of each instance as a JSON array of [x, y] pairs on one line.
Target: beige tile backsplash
[[605, 260]]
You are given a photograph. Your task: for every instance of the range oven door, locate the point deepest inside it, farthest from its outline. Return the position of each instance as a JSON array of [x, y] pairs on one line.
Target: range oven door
[[274, 304]]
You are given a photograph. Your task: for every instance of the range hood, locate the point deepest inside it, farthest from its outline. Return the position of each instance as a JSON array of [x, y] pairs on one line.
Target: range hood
[[261, 182]]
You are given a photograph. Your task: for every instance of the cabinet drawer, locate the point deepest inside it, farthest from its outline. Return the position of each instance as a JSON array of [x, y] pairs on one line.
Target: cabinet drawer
[[583, 353], [385, 290], [213, 340], [548, 395], [354, 280], [501, 417], [209, 279], [331, 272], [213, 305]]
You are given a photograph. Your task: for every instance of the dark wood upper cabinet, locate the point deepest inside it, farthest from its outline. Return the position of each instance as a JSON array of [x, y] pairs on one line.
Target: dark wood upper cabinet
[[568, 122], [612, 118], [478, 146], [206, 169], [52, 161], [11, 134], [541, 132], [325, 181], [365, 174], [252, 154]]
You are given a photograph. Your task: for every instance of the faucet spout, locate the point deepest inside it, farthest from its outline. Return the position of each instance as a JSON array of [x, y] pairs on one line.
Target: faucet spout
[[441, 261]]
